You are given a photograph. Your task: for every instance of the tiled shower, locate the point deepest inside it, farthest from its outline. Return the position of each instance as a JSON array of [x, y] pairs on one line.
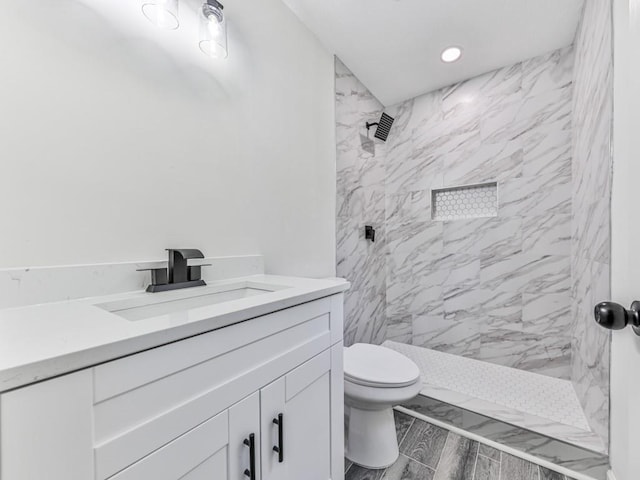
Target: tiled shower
[[513, 285]]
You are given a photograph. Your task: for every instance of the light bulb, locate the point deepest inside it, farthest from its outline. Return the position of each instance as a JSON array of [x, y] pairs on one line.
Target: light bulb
[[213, 30]]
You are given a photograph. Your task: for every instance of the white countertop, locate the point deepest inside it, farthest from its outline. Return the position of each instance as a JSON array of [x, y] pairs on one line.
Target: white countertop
[[43, 341]]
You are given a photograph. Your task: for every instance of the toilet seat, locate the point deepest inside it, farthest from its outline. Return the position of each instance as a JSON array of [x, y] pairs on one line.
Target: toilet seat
[[378, 367]]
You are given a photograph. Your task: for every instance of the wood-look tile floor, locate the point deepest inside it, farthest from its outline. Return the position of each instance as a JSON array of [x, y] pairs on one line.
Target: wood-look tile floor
[[428, 452]]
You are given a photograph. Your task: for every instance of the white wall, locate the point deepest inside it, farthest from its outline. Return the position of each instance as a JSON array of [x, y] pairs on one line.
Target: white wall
[[625, 376], [119, 140]]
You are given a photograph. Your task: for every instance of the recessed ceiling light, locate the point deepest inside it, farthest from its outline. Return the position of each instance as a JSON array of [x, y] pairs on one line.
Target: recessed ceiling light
[[451, 54]]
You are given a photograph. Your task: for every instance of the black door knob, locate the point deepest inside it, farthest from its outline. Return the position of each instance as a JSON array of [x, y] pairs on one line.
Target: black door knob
[[614, 316]]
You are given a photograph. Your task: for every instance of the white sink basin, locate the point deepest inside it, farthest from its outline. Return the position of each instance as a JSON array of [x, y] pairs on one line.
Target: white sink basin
[[157, 304]]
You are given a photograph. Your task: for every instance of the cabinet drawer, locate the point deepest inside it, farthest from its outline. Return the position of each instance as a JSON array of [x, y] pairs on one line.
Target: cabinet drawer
[[306, 374], [196, 380], [198, 451]]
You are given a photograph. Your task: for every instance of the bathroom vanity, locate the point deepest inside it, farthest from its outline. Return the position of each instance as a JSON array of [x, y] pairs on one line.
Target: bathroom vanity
[[241, 379]]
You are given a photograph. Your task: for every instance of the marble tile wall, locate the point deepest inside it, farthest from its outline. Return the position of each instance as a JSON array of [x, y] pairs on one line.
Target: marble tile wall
[[591, 205], [360, 202], [494, 289]]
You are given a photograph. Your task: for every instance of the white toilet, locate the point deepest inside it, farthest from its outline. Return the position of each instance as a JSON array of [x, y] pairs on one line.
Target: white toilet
[[375, 379]]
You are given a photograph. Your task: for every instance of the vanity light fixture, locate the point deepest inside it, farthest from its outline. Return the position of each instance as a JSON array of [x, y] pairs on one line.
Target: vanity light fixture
[[451, 54], [162, 13], [213, 29]]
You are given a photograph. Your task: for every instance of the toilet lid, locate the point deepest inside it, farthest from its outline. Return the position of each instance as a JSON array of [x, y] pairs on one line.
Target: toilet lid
[[374, 365]]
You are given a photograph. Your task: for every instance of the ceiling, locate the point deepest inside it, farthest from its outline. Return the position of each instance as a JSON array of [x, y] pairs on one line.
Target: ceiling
[[394, 46]]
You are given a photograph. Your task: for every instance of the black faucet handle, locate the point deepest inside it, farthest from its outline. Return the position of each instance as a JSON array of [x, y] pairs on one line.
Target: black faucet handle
[[194, 272], [158, 275]]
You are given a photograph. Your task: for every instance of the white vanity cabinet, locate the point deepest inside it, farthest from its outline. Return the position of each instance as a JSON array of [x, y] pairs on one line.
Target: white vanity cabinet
[[188, 410]]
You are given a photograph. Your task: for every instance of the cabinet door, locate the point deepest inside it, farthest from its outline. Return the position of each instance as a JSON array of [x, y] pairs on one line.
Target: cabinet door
[[299, 406], [244, 425]]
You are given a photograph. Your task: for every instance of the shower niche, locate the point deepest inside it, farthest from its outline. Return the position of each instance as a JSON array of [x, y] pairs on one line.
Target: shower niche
[[470, 201]]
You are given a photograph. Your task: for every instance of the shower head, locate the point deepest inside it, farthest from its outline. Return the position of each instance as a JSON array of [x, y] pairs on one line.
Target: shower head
[[384, 126]]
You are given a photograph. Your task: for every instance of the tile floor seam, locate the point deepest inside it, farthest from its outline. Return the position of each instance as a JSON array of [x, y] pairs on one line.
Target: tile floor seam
[[441, 452], [487, 457], [417, 461], [475, 464], [407, 431]]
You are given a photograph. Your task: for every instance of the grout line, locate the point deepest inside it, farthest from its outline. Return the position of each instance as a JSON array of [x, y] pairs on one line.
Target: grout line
[[418, 462], [475, 464], [500, 470], [488, 458], [407, 432], [442, 451]]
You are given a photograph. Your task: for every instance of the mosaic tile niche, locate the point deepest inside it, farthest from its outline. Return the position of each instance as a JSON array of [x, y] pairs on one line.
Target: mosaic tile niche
[[459, 203]]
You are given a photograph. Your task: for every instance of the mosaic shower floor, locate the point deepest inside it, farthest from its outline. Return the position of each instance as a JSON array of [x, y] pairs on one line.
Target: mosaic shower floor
[[545, 405]]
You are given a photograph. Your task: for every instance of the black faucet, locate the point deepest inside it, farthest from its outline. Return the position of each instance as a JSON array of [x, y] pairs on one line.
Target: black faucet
[[178, 274]]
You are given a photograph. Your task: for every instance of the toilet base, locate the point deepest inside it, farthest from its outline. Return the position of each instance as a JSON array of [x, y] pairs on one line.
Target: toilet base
[[371, 438]]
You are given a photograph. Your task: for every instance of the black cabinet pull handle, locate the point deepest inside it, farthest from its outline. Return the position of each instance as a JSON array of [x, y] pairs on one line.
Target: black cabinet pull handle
[[251, 443], [279, 449]]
